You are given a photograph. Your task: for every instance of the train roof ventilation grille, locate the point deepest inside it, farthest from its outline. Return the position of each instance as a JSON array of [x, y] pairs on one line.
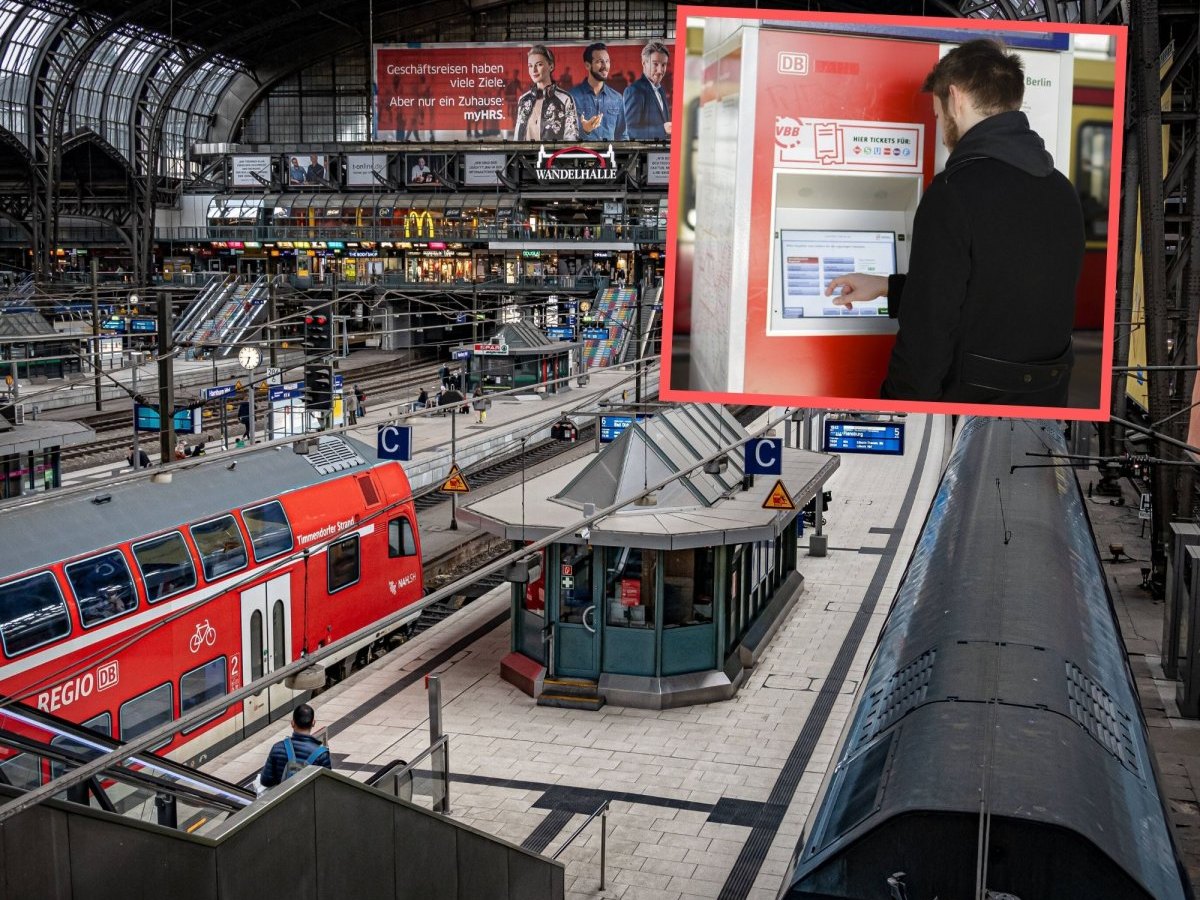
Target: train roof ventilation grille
[[905, 691], [1095, 709], [334, 455]]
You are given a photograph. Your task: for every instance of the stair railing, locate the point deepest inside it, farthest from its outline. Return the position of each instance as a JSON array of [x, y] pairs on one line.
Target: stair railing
[[602, 812]]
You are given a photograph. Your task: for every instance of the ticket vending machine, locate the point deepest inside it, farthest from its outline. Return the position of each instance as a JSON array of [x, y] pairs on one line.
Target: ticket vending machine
[[826, 225]]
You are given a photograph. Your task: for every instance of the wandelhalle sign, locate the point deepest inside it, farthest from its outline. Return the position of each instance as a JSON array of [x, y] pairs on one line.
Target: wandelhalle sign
[[457, 92], [575, 164]]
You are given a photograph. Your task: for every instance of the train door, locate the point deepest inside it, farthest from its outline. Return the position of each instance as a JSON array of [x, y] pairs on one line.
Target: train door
[[266, 646]]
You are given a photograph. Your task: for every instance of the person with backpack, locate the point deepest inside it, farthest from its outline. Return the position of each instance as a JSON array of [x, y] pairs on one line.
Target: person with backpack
[[292, 754]]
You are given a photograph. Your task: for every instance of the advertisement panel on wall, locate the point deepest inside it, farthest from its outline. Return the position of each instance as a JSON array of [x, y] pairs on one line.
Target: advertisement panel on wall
[[245, 168], [419, 168], [658, 168], [480, 169], [798, 205], [523, 91], [310, 169], [366, 169]]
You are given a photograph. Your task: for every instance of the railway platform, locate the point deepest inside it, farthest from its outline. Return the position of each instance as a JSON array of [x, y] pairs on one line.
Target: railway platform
[[706, 801]]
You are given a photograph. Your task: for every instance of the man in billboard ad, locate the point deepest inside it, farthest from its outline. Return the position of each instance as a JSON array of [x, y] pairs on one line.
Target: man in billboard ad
[[487, 92], [419, 172], [647, 107], [295, 171], [314, 173], [601, 109], [545, 112], [833, 257]]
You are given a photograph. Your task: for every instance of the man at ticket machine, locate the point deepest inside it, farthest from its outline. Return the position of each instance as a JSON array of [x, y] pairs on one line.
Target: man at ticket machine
[[987, 305]]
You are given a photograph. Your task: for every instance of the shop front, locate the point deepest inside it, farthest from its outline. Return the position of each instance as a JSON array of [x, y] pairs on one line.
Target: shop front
[[518, 356]]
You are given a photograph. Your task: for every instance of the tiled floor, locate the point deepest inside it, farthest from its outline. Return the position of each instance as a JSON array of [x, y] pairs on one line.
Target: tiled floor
[[707, 801]]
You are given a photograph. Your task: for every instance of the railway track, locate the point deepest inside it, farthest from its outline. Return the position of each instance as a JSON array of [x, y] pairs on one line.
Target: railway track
[[381, 382]]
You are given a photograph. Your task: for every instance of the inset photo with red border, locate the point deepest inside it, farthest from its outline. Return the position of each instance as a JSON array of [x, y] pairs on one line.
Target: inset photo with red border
[[894, 214]]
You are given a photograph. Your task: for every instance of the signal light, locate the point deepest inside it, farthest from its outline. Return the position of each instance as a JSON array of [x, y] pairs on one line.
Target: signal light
[[318, 333], [318, 387]]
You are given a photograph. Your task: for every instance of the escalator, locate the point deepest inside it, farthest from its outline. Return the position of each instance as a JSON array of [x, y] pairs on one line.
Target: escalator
[[36, 746]]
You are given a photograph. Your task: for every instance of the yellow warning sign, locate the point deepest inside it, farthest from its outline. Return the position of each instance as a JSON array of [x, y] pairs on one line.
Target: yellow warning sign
[[238, 385], [455, 482], [779, 498]]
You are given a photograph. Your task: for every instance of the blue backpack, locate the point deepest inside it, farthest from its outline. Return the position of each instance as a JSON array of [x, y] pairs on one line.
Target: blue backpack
[[294, 765]]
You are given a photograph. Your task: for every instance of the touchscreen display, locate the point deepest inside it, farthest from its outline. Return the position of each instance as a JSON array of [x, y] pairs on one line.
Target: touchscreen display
[[811, 259]]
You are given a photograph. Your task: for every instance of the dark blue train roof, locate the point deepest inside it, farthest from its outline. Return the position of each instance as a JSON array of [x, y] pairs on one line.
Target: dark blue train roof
[[998, 709]]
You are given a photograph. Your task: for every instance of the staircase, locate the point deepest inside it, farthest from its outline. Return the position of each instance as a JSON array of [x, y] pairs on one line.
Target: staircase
[[570, 693], [225, 315], [614, 306], [651, 306]]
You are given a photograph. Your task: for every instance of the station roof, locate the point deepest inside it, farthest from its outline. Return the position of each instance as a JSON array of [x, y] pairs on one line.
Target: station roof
[[23, 324], [697, 510], [63, 526]]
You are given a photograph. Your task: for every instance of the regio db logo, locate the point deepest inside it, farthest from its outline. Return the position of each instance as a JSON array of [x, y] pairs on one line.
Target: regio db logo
[[792, 63]]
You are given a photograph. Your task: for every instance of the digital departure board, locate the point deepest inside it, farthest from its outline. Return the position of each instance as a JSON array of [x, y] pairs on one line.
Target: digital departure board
[[612, 426], [850, 436]]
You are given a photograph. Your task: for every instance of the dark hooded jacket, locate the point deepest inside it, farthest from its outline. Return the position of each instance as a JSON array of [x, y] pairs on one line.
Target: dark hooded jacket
[[987, 306]]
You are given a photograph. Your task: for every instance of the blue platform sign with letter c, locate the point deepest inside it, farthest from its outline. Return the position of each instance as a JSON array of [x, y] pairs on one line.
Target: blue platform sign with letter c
[[394, 442], [764, 456]]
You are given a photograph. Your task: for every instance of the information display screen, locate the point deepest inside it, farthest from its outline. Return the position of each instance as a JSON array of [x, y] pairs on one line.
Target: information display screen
[[847, 436], [811, 259], [612, 426]]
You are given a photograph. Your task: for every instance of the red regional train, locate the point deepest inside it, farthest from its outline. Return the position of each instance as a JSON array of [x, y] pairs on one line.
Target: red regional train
[[124, 607]]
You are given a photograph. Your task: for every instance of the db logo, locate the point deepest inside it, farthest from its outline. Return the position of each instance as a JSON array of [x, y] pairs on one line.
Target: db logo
[[107, 675], [791, 63], [787, 131]]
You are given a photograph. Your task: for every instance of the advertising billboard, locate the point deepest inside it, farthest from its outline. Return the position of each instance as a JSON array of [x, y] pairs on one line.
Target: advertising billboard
[[311, 169], [365, 169], [480, 169], [245, 168], [524, 92], [419, 168]]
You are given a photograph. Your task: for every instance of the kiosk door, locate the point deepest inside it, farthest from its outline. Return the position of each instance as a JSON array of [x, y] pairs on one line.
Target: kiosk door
[[266, 646], [578, 628]]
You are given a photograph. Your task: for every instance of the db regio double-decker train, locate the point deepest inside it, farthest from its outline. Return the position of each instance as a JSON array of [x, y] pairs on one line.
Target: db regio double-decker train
[[123, 607]]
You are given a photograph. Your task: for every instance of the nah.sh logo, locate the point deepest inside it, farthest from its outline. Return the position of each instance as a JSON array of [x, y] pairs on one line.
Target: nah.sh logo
[[791, 63]]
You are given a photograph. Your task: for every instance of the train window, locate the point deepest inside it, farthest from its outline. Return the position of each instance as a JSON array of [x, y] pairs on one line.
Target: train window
[[221, 547], [33, 613], [101, 724], [145, 713], [103, 587], [256, 645], [278, 644], [1093, 168], [166, 566], [201, 685], [270, 533], [21, 771], [343, 563], [401, 540]]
